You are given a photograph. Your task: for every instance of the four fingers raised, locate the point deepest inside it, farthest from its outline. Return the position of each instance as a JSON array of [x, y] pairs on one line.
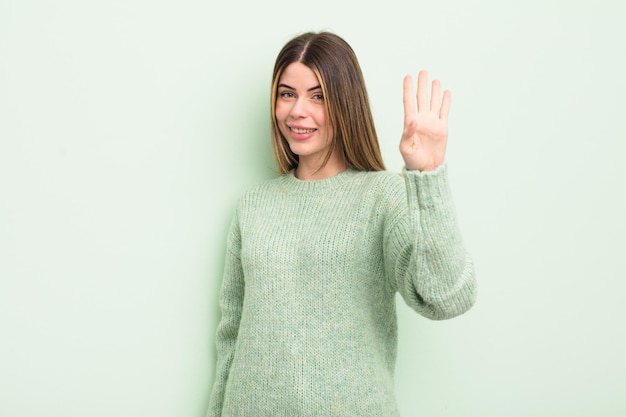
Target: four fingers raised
[[439, 105]]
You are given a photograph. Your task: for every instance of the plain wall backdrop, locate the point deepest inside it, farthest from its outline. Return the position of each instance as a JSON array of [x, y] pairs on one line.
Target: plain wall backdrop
[[128, 129]]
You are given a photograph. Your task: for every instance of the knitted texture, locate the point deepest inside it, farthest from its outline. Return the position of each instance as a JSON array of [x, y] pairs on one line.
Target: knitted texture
[[308, 322]]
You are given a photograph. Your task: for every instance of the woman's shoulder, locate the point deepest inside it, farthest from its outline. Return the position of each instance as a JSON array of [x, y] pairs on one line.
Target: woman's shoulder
[[384, 177], [263, 188], [384, 181]]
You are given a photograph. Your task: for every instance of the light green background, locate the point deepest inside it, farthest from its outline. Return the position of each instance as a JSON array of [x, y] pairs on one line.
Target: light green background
[[128, 128]]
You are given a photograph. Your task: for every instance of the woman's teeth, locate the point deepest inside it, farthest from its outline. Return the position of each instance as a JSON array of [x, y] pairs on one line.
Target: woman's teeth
[[296, 130]]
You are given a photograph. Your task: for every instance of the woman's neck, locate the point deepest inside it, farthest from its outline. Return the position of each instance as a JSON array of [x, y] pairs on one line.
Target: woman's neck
[[308, 170]]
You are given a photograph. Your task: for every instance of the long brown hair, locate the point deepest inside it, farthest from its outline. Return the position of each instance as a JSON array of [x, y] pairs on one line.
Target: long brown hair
[[347, 105]]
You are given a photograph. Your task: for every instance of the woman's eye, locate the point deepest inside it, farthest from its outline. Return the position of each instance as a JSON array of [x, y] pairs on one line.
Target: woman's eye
[[287, 94], [318, 97]]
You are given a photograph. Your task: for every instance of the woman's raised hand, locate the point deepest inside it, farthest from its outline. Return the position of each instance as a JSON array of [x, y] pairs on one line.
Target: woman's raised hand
[[425, 135]]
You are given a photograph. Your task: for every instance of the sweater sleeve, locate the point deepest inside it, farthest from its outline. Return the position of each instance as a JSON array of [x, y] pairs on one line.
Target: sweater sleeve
[[231, 302], [425, 258]]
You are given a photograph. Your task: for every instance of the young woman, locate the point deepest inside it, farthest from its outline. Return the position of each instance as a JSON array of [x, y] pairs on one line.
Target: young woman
[[316, 256]]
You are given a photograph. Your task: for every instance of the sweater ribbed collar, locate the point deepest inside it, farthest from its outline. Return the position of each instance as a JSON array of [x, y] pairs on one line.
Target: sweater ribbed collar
[[298, 186]]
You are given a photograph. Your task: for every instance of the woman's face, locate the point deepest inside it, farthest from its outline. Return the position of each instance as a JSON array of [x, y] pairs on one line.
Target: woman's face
[[300, 113]]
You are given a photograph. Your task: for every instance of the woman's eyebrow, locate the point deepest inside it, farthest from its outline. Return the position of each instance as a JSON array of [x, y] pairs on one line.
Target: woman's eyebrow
[[317, 87]]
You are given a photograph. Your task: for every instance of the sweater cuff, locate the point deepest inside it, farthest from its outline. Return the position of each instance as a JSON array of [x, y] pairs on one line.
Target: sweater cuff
[[428, 188]]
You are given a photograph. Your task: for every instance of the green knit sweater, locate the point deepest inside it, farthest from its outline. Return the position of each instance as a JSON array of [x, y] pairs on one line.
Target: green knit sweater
[[308, 322]]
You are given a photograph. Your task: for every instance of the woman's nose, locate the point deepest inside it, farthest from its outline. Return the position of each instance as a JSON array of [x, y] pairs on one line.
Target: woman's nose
[[299, 109]]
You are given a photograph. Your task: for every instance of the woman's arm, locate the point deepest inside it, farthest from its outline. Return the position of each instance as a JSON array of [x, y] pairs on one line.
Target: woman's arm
[[426, 260], [231, 302], [425, 255]]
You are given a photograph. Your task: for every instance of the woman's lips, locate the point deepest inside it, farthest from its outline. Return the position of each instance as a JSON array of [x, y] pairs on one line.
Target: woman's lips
[[301, 133]]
